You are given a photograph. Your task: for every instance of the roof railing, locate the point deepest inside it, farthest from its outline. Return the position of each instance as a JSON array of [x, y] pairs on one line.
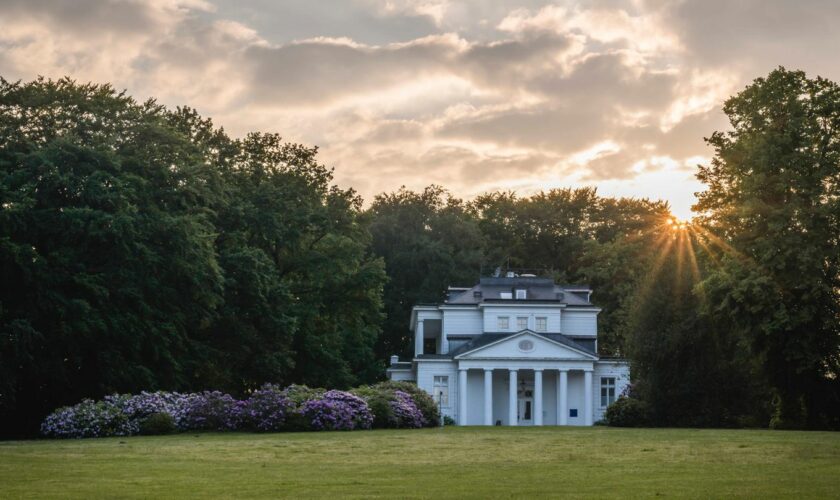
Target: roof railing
[[515, 272]]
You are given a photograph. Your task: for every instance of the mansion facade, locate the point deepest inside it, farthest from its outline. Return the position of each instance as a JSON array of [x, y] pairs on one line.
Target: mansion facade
[[513, 350]]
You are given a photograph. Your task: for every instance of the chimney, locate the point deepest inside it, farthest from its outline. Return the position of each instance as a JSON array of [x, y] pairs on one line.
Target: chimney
[[395, 359]]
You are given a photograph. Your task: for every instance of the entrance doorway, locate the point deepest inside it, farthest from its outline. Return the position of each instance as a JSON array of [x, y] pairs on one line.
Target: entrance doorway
[[526, 411]]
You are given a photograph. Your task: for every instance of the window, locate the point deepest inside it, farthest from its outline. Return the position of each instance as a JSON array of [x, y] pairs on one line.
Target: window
[[607, 391], [521, 323], [503, 323], [430, 346], [506, 295], [521, 294], [441, 388], [542, 324]]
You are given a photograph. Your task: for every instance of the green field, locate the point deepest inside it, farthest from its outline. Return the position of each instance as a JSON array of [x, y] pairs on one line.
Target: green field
[[452, 462]]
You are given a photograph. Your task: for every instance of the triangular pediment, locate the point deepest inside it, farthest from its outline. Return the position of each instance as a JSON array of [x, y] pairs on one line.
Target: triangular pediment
[[528, 345]]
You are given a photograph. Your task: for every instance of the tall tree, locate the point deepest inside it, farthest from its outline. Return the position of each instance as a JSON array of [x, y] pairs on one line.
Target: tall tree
[[106, 247], [687, 370], [429, 241], [772, 205]]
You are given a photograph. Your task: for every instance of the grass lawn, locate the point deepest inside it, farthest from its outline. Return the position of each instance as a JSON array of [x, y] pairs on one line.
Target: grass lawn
[[452, 462]]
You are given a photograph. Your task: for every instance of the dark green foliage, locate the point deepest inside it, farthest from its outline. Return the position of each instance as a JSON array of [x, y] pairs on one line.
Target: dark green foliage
[[773, 198], [428, 242], [687, 370], [158, 423], [627, 412], [141, 248], [447, 420], [378, 399]]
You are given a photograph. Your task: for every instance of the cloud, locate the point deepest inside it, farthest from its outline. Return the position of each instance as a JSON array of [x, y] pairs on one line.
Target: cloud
[[509, 94], [645, 32], [434, 9]]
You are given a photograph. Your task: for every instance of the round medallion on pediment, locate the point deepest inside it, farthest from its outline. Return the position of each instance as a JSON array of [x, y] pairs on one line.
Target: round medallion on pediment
[[526, 345]]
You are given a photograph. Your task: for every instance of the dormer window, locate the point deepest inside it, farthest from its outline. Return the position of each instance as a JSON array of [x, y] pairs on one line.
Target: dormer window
[[521, 294], [506, 295]]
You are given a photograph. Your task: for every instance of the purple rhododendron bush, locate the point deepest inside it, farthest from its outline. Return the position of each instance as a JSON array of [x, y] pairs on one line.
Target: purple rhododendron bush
[[337, 411], [270, 408]]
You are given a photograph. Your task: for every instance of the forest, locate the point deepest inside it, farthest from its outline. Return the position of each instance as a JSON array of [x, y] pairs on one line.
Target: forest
[[144, 248]]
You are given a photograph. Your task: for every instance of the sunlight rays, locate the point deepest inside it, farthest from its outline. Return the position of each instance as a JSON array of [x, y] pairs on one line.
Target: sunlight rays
[[688, 246], [675, 238]]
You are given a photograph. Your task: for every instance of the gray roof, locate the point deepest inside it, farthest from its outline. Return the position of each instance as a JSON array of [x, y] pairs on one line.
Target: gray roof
[[489, 338], [434, 356], [479, 341], [539, 290]]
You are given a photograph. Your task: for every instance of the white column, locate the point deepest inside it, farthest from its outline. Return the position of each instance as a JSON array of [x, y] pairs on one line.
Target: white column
[[587, 398], [488, 396], [444, 341], [512, 400], [462, 396], [538, 394], [563, 397], [418, 339]]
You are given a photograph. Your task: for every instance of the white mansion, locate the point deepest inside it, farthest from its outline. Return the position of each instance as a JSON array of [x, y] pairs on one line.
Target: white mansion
[[514, 350]]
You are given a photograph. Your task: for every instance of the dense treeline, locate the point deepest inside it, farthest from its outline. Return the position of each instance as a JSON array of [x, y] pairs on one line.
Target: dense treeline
[[430, 240], [142, 248]]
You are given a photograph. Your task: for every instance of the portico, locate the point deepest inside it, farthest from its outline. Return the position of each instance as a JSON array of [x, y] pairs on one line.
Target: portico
[[508, 383], [524, 396]]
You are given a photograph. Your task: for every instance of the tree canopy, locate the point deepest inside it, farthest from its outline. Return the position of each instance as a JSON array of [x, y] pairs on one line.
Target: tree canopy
[[772, 205], [143, 248]]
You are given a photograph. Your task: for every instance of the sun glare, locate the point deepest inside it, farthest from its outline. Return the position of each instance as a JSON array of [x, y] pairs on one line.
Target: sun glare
[[677, 224]]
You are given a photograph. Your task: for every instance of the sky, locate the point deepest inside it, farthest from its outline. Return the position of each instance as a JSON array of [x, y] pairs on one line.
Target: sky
[[474, 96]]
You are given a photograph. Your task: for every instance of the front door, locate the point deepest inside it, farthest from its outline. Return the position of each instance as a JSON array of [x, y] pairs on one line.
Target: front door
[[526, 411]]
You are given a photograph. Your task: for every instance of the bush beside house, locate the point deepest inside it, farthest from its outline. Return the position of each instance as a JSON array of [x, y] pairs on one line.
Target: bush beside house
[[268, 409], [627, 411]]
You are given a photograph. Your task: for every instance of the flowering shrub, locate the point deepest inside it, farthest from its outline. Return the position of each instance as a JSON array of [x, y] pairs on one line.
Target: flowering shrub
[[406, 413], [391, 408], [422, 400], [89, 419], [337, 410], [140, 406], [266, 409], [270, 408], [208, 410], [300, 394]]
